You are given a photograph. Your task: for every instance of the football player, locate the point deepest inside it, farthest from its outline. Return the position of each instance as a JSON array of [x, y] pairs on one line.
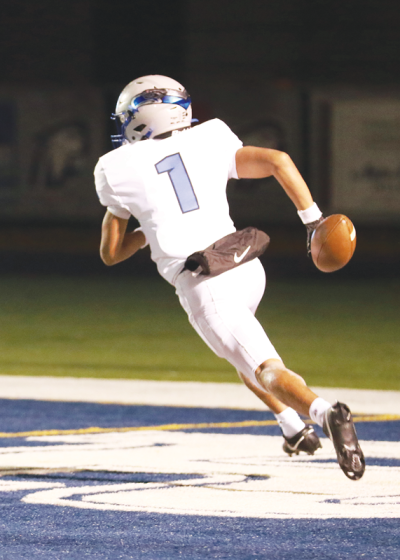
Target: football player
[[172, 178]]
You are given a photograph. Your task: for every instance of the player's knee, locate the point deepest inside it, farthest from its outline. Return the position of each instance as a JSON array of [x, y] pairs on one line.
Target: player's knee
[[273, 374], [269, 373]]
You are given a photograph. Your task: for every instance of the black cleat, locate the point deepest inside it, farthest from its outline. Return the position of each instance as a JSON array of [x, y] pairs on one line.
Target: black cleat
[[339, 427], [306, 440]]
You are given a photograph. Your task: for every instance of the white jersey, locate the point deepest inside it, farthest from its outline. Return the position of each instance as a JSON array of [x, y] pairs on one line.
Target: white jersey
[[175, 188]]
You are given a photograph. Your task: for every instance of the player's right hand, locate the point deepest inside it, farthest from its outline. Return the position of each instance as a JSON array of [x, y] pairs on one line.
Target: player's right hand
[[310, 230]]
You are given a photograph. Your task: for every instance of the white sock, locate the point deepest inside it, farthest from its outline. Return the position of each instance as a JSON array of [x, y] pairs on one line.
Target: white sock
[[318, 409], [289, 422]]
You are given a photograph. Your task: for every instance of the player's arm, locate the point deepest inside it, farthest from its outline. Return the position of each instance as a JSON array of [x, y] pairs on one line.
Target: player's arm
[[116, 243], [256, 163]]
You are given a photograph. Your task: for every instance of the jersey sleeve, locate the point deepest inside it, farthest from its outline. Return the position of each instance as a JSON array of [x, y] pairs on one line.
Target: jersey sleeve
[[107, 196], [229, 144]]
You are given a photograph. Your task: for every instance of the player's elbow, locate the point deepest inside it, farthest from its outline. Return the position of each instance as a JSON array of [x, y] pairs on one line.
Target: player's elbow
[[281, 160], [107, 258]]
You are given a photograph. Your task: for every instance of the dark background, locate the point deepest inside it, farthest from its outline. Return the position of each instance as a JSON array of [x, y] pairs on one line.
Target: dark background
[[212, 47], [103, 42]]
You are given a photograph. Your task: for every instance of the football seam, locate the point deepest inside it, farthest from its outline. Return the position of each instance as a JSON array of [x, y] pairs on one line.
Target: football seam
[[327, 237]]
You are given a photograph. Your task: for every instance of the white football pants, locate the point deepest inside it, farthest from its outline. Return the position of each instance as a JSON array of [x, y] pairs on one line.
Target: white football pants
[[222, 308]]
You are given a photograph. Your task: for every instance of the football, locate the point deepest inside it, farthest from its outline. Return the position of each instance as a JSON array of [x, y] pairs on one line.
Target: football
[[333, 243]]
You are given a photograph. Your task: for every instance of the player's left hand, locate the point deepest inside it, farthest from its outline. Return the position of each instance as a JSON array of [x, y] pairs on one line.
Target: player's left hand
[[311, 218]]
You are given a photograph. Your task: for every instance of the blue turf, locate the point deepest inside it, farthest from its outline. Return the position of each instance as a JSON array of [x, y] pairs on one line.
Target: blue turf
[[29, 415], [29, 531], [51, 533]]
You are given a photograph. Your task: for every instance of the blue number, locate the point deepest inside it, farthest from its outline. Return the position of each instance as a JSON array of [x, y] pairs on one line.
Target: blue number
[[174, 166]]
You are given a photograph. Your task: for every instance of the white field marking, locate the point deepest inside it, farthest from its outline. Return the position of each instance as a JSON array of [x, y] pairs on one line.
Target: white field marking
[[353, 234], [236, 475], [175, 393], [15, 486]]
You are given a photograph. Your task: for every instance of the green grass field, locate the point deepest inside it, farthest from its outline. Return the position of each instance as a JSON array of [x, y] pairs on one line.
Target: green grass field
[[334, 333]]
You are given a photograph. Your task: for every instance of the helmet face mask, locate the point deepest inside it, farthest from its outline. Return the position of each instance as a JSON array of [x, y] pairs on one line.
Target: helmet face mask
[[149, 107], [150, 96]]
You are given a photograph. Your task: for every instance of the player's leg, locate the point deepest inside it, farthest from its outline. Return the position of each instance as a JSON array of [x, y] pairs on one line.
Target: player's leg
[[336, 420], [285, 385], [221, 315], [269, 400], [221, 311], [200, 299], [297, 435]]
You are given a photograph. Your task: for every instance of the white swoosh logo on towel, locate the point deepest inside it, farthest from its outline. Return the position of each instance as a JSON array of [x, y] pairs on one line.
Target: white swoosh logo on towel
[[239, 259]]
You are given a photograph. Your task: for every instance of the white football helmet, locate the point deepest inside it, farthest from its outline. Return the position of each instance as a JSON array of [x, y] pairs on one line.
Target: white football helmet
[[150, 107]]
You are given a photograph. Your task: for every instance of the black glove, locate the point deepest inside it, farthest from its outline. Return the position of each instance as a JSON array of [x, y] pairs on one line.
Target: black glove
[[310, 229]]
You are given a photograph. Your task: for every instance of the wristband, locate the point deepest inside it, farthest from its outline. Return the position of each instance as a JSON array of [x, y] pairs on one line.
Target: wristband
[[145, 240], [311, 214]]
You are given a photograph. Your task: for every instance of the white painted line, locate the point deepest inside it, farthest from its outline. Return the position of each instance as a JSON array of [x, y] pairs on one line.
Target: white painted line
[[174, 393], [236, 475]]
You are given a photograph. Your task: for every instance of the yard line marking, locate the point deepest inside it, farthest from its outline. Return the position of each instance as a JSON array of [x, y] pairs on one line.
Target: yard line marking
[[377, 418], [171, 427], [165, 427]]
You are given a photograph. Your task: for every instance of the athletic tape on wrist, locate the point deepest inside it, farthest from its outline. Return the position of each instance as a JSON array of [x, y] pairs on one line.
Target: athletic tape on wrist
[[310, 214]]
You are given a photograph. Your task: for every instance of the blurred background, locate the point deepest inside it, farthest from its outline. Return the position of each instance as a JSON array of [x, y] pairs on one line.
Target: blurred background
[[320, 80]]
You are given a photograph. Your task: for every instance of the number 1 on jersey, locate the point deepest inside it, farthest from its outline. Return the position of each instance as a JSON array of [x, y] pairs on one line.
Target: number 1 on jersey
[[174, 166]]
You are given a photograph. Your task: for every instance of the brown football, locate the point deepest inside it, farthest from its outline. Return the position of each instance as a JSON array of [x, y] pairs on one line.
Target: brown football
[[333, 243]]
